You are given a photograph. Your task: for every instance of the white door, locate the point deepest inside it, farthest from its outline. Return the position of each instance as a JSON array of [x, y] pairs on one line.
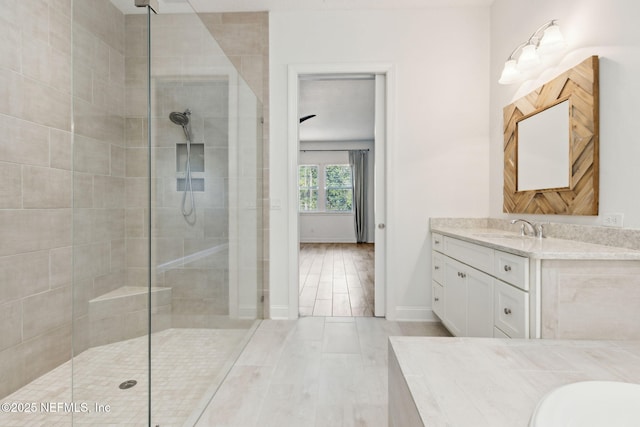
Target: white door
[[380, 199]]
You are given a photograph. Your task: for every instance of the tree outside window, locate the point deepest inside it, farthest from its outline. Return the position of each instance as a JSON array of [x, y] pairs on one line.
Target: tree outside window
[[330, 191], [338, 188], [308, 187]]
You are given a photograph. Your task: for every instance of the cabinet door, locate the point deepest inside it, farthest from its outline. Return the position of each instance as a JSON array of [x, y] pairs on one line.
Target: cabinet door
[[479, 304], [511, 310], [438, 299], [455, 297], [437, 263]]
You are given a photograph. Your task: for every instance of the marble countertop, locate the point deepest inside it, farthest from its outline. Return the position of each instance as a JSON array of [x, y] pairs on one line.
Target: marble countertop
[[532, 247], [492, 382]]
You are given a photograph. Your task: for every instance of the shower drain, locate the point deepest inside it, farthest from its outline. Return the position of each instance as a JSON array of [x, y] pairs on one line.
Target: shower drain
[[128, 384]]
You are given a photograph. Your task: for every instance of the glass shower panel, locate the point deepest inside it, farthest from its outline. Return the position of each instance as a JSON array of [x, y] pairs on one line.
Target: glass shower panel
[[205, 216], [110, 199]]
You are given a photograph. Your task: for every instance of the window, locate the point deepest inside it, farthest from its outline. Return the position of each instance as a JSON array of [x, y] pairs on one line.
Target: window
[[308, 188], [338, 188], [325, 188]]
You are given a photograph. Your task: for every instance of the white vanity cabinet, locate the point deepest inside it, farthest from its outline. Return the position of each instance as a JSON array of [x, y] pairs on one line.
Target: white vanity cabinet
[[478, 290], [494, 283]]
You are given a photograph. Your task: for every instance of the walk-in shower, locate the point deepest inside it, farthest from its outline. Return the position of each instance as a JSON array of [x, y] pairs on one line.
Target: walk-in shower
[[111, 279]]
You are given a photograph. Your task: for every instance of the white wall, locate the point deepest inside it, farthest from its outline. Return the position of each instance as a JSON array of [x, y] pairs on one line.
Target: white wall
[[592, 27], [437, 155]]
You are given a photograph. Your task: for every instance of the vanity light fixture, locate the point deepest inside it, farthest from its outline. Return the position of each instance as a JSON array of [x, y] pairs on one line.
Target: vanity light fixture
[[526, 56]]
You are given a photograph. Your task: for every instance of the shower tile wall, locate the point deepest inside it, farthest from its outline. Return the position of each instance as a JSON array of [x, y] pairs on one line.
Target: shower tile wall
[[186, 68], [108, 185], [35, 189], [99, 173]]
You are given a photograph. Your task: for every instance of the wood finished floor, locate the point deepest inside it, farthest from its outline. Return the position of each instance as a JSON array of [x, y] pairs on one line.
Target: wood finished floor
[[336, 279]]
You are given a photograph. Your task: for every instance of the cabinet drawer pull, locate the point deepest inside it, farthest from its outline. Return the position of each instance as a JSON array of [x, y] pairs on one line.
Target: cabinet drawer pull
[[462, 275], [437, 267], [507, 268], [437, 242], [436, 299], [507, 311]]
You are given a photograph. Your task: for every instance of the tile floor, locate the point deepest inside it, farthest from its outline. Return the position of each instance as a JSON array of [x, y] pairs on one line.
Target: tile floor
[[187, 367], [336, 279], [312, 372]]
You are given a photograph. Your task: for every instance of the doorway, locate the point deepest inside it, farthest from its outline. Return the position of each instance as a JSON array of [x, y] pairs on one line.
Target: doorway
[[325, 240]]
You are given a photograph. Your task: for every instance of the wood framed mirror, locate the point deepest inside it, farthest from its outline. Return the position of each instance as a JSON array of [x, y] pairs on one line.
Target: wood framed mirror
[[548, 140]]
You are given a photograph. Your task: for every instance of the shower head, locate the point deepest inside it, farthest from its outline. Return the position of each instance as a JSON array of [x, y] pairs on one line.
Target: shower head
[[181, 119]]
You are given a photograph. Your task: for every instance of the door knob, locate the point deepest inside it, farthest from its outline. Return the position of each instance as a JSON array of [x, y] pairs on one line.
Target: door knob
[[381, 226]]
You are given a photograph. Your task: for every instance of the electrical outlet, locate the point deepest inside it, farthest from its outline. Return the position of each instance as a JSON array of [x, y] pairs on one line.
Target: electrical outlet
[[612, 220]]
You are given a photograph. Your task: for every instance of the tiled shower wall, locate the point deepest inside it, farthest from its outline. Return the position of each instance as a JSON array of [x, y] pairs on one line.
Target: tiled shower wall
[[36, 163], [35, 189], [99, 245]]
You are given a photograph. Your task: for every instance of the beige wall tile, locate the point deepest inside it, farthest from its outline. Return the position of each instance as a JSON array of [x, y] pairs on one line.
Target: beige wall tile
[[118, 255], [60, 26], [23, 275], [60, 149], [90, 155], [46, 188], [91, 260], [45, 105], [136, 163], [107, 283], [9, 40], [137, 192], [56, 346], [108, 192], [137, 253], [46, 311], [135, 220], [82, 190], [33, 230], [12, 370], [10, 186], [10, 324], [34, 18], [22, 141], [60, 267]]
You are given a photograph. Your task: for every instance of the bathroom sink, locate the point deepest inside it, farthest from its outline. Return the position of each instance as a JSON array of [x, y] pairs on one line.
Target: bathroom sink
[[589, 404]]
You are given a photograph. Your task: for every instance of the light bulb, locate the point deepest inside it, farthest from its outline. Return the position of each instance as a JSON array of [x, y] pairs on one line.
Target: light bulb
[[510, 73], [528, 58], [552, 40]]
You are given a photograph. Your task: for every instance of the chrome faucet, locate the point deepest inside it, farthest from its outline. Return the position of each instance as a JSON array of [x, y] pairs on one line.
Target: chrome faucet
[[536, 229]]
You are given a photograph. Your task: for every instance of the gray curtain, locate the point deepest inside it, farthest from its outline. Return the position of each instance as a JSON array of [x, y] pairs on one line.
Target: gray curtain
[[358, 162]]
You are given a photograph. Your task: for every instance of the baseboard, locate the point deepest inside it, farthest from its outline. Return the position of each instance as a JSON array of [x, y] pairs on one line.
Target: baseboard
[[326, 240], [279, 312], [247, 312], [415, 314]]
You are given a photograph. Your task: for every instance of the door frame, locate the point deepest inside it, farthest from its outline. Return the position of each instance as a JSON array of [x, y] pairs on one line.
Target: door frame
[[293, 150]]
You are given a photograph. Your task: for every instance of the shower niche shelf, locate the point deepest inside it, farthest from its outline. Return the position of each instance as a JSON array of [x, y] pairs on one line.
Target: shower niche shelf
[[197, 166]]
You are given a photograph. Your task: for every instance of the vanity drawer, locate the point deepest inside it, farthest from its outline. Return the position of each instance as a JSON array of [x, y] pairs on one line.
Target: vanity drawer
[[437, 265], [437, 242], [437, 295], [512, 269], [511, 310], [477, 256]]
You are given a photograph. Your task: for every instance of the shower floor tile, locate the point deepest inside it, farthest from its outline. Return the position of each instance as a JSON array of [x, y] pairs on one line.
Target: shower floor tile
[[187, 366]]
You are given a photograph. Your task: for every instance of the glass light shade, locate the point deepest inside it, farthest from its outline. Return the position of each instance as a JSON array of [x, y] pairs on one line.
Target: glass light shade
[[528, 58], [510, 73], [552, 40]]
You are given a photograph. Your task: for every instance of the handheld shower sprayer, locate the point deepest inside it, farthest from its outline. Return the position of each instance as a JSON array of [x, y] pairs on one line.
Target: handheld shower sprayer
[[183, 119]]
